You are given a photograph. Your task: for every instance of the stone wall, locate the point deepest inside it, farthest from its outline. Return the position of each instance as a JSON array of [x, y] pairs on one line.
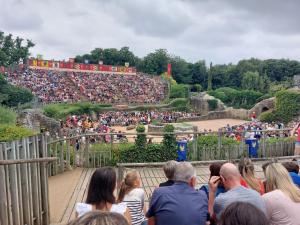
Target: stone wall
[[35, 120], [264, 105], [224, 114], [200, 103]]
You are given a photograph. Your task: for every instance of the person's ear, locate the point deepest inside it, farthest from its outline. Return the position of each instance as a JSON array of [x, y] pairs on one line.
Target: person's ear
[[193, 182]]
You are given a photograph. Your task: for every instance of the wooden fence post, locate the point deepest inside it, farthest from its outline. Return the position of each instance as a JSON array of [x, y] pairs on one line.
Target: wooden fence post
[[61, 157], [3, 195], [87, 152]]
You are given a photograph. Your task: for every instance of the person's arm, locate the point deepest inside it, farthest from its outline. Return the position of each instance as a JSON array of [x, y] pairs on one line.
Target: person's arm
[[127, 216], [213, 185], [151, 220]]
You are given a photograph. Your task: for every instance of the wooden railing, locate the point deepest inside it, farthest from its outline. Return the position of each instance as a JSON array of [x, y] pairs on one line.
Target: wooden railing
[[24, 182], [87, 156], [26, 164]]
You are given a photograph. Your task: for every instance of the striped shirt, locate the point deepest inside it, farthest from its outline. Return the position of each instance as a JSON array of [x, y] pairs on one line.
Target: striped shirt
[[135, 203]]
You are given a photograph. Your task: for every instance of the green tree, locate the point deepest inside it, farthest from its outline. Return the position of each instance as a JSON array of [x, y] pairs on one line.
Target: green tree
[[181, 70], [209, 80], [13, 50], [251, 81], [199, 72], [11, 95], [156, 62]]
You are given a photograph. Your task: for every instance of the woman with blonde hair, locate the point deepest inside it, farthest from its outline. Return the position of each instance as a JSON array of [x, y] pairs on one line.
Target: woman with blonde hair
[[131, 194], [246, 169], [283, 198]]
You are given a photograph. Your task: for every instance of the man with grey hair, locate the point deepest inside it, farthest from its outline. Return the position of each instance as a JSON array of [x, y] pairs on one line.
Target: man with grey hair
[[179, 204], [169, 170]]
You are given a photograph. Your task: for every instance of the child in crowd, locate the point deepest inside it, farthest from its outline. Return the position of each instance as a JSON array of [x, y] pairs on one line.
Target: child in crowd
[[246, 169], [131, 194]]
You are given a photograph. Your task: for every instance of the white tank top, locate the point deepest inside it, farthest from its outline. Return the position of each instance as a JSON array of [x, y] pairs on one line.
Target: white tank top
[[83, 208]]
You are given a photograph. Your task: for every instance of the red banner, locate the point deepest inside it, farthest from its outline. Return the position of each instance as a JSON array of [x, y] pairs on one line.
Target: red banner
[[169, 69], [81, 66]]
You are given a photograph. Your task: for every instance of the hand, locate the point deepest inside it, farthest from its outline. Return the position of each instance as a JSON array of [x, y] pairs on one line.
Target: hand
[[213, 183]]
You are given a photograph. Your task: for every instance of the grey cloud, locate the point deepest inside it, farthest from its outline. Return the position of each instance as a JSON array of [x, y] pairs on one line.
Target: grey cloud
[[214, 30], [150, 18], [15, 15]]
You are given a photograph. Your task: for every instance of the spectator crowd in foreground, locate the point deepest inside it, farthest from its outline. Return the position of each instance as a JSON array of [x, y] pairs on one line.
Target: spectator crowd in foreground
[[234, 195], [60, 86]]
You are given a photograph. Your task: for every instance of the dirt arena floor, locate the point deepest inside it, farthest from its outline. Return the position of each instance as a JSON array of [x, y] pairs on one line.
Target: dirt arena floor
[[213, 125]]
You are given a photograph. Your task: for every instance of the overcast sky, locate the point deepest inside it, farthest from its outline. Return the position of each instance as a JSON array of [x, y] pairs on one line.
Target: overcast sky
[[221, 31]]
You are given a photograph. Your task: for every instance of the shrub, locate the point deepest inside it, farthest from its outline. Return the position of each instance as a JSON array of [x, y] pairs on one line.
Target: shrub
[[152, 153], [10, 132], [212, 141], [287, 105], [179, 91], [169, 140], [235, 98], [212, 104], [269, 116], [62, 110], [179, 102], [7, 116], [13, 96], [141, 139], [196, 88]]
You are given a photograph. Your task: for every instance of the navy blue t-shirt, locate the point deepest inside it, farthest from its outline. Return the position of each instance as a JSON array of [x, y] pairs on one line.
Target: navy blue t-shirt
[[178, 204], [296, 178]]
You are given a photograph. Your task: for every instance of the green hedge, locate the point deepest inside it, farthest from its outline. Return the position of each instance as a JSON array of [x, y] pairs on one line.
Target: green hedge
[[179, 91], [237, 98], [152, 153], [62, 110], [7, 116], [268, 117], [287, 106], [11, 132]]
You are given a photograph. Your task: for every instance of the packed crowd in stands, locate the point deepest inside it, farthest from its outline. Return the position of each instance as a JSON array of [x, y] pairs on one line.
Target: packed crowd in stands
[[234, 195], [60, 86]]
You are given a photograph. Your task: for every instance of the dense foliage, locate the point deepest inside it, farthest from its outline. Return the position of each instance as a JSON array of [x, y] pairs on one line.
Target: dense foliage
[[13, 50], [262, 74], [11, 95], [169, 140], [62, 110], [141, 139], [179, 91], [237, 98], [212, 104], [141, 152], [287, 105], [7, 116], [10, 132]]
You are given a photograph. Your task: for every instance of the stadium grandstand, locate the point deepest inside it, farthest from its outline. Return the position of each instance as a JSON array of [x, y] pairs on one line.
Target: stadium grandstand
[[71, 82]]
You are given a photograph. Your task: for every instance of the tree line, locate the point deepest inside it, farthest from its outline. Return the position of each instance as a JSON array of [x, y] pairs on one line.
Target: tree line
[[251, 74], [264, 76]]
